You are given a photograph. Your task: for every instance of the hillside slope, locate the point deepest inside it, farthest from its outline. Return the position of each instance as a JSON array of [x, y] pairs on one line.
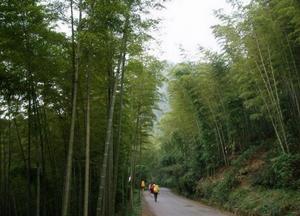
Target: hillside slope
[[250, 186]]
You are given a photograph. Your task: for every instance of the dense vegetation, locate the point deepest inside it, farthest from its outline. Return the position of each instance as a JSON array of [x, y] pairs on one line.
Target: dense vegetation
[[75, 109], [232, 135]]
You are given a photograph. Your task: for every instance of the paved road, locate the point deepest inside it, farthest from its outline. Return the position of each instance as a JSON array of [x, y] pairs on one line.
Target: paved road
[[170, 204]]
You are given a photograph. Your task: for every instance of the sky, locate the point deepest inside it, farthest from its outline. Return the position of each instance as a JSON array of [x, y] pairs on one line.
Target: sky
[[186, 25]]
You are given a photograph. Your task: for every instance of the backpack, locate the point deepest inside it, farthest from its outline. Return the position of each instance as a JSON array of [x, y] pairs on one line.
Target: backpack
[[156, 189]]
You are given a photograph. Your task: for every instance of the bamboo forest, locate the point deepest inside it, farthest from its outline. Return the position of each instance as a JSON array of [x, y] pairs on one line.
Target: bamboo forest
[[88, 111]]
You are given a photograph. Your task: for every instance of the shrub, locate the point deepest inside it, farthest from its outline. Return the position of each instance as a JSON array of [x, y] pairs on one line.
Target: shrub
[[223, 188], [263, 202], [286, 170], [137, 204], [280, 172], [205, 189], [240, 200], [264, 177], [216, 191], [244, 157], [187, 184]]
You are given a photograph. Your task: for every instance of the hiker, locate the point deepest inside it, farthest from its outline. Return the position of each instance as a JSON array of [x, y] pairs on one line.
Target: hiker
[[143, 185], [151, 187], [155, 191]]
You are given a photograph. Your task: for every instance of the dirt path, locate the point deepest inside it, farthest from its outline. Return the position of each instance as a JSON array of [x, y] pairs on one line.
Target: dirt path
[[170, 204]]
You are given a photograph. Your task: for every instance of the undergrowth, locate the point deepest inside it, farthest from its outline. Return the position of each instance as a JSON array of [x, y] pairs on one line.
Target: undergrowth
[[271, 190], [137, 204]]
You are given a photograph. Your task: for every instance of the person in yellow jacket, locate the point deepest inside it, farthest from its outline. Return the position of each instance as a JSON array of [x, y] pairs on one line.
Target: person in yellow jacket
[[143, 185], [155, 191]]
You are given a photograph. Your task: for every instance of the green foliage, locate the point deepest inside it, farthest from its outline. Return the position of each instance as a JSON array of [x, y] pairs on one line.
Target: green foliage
[[205, 189], [250, 201], [232, 105], [286, 169], [37, 66], [223, 188], [244, 157], [217, 191], [265, 176], [280, 172], [186, 184], [234, 117], [137, 204]]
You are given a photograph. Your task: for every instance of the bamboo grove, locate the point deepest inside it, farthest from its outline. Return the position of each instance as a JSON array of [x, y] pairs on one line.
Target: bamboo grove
[[76, 108], [244, 98]]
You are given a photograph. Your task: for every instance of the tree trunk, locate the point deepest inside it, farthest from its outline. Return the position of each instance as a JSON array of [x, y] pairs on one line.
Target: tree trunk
[[106, 150], [29, 157], [38, 191], [119, 138], [68, 177], [87, 148], [110, 125]]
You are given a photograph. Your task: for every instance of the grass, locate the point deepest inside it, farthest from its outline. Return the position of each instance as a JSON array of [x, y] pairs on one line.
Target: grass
[[250, 200], [264, 202]]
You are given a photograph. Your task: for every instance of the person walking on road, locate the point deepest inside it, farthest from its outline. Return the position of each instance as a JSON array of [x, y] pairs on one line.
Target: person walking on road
[[151, 187], [155, 191], [143, 185]]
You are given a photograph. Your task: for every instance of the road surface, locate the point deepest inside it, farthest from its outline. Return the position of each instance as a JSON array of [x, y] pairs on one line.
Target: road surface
[[170, 204]]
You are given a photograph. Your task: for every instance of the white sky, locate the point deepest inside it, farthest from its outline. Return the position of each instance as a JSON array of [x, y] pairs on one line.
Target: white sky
[[186, 25]]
